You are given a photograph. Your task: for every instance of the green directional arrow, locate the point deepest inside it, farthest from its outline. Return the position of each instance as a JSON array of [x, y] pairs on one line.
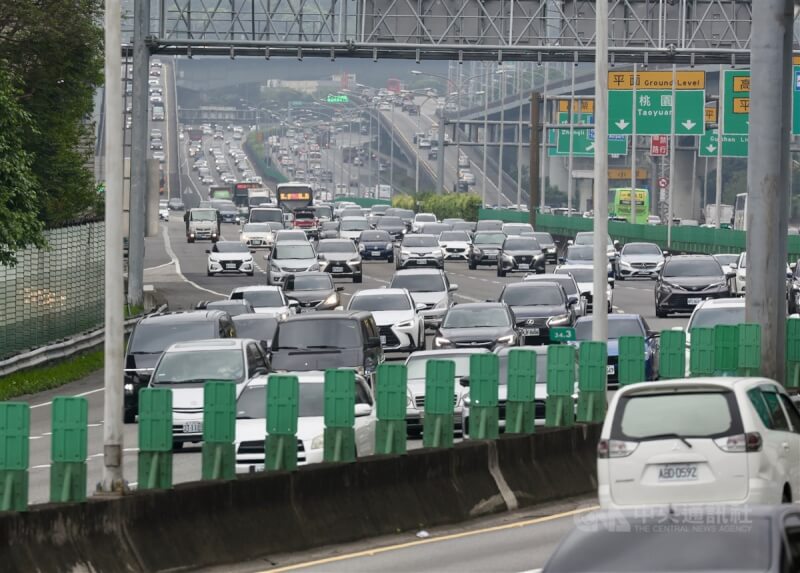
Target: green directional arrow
[[654, 112], [732, 145], [583, 138]]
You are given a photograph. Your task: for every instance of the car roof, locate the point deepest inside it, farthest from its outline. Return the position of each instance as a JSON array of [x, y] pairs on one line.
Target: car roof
[[447, 352], [303, 377], [209, 344], [419, 272], [292, 243], [380, 291], [354, 218], [614, 316], [256, 288], [567, 267], [421, 235], [490, 304], [529, 284], [689, 257], [328, 315], [689, 384], [722, 303], [345, 240], [184, 316]]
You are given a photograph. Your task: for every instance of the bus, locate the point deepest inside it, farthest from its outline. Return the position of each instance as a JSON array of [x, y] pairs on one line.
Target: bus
[[619, 204], [294, 195], [740, 212]]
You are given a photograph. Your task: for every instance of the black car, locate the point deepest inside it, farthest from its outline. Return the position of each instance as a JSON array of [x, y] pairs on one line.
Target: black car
[[175, 204], [260, 327], [537, 306], [228, 212], [152, 335], [485, 248], [406, 215], [685, 280], [477, 325], [313, 290], [393, 225], [329, 230], [547, 243], [340, 258], [520, 254], [376, 246]]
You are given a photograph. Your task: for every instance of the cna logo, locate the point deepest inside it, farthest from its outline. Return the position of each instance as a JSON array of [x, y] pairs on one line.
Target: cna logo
[[610, 520]]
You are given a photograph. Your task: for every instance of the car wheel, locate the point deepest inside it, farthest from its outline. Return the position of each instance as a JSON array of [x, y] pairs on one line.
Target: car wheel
[[660, 313], [129, 416], [397, 265], [471, 266], [500, 271], [177, 446], [251, 273], [209, 273], [358, 278], [189, 240]]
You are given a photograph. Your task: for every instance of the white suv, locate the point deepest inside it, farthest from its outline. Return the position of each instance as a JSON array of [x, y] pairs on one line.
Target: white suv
[[699, 441]]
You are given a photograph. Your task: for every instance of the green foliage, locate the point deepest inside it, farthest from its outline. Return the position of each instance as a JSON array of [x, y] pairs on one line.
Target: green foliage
[[451, 205], [404, 202], [18, 189], [52, 376]]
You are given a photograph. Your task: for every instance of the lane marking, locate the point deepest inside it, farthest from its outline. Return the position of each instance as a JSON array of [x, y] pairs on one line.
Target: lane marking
[[176, 261], [161, 266], [416, 543], [74, 395]]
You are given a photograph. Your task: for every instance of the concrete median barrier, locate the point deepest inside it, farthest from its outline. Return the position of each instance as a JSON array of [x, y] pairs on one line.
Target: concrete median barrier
[[218, 522]]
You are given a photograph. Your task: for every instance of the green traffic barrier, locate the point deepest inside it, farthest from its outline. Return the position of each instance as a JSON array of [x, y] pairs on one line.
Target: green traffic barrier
[[631, 360], [15, 424], [672, 354], [155, 438], [749, 357], [559, 406], [592, 381], [391, 388], [219, 430], [68, 449], [484, 374], [340, 404], [283, 408], [726, 349], [793, 353], [437, 425], [701, 355], [520, 400]]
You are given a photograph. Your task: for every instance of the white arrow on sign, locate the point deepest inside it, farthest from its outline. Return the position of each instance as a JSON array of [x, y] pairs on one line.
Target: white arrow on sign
[[688, 124], [710, 148], [590, 147], [622, 124]]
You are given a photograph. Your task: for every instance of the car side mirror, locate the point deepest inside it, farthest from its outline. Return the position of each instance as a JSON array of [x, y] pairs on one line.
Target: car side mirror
[[570, 242], [730, 275], [252, 252], [452, 288], [572, 302], [793, 266], [294, 303], [208, 251], [419, 306], [561, 260], [616, 245], [464, 381], [339, 289], [260, 371], [665, 253], [363, 410], [733, 266]]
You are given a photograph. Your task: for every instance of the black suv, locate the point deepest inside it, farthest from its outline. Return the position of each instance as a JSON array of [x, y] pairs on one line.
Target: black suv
[[520, 254], [538, 306], [154, 334], [340, 258], [328, 339], [485, 249], [686, 280]]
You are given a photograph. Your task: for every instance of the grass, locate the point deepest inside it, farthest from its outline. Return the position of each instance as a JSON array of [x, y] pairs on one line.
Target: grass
[[50, 376], [131, 311]]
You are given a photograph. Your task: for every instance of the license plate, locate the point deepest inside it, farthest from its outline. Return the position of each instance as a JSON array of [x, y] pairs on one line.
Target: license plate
[[421, 261], [491, 256], [192, 427], [230, 266], [338, 269], [375, 253], [610, 369], [694, 300], [530, 332], [524, 266], [677, 472], [256, 242], [383, 339]]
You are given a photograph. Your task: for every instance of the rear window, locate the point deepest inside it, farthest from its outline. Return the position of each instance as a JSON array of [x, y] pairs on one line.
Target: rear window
[[702, 414]]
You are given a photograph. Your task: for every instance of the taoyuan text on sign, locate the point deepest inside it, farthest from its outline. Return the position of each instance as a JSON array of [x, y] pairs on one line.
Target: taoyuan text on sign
[[684, 80]]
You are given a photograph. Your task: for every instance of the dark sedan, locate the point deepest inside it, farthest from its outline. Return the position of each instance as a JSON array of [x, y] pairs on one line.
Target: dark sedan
[[520, 254], [340, 258], [393, 225], [376, 246], [329, 230], [537, 306], [685, 280], [313, 291], [477, 325], [485, 248]]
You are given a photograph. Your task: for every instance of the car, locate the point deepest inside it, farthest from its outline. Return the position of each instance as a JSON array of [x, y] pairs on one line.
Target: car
[[229, 257], [584, 276], [424, 143], [477, 325], [537, 307], [682, 538], [393, 225], [569, 285], [455, 244], [294, 235], [228, 212], [489, 225], [421, 218], [351, 227], [185, 367], [160, 156], [520, 254], [266, 299], [288, 258], [485, 249], [653, 220], [639, 260], [306, 221], [156, 144], [397, 316], [710, 313], [256, 235], [517, 228], [232, 307], [730, 440], [259, 327], [328, 339], [376, 245], [587, 238], [175, 204], [340, 258], [725, 260], [547, 243], [433, 153], [467, 226], [685, 281], [793, 289], [155, 133], [251, 417], [419, 251], [433, 228], [163, 210], [578, 255], [406, 215], [430, 287], [313, 291], [206, 180], [153, 334], [329, 230]]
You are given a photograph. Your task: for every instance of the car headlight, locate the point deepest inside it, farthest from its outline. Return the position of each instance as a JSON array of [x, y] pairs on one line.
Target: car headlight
[[625, 264], [314, 267], [477, 251], [361, 247], [666, 287], [550, 250], [318, 442], [441, 341], [128, 388], [213, 260], [404, 253], [718, 285], [405, 324], [331, 300], [509, 339], [275, 268], [438, 254], [442, 303], [354, 262], [248, 260], [559, 320]]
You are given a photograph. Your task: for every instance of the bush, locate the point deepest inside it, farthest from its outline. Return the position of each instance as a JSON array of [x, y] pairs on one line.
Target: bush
[[452, 205], [404, 202]]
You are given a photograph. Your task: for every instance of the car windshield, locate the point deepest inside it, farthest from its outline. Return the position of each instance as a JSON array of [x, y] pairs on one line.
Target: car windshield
[[378, 303], [323, 211], [580, 253], [312, 282], [330, 225], [375, 237], [616, 329], [712, 316], [416, 365], [336, 247], [692, 268], [516, 229], [252, 402], [255, 228], [357, 225], [404, 213], [420, 241], [743, 262], [532, 294], [292, 252], [204, 215], [543, 238], [567, 282], [425, 218], [255, 326], [521, 245], [489, 225], [489, 239], [275, 225], [418, 283], [224, 205], [230, 247], [588, 239], [198, 367], [390, 221], [541, 367], [260, 298], [318, 334], [465, 317], [153, 338], [726, 259], [580, 275], [454, 236], [641, 249]]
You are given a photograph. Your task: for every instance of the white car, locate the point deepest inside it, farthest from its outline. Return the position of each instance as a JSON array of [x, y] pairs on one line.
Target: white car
[[740, 279], [467, 176], [230, 257], [420, 219], [399, 323], [251, 421], [583, 275], [716, 440], [708, 314], [160, 155], [463, 161], [186, 366], [163, 210], [266, 299], [256, 235], [725, 260], [351, 227], [455, 244], [517, 228]]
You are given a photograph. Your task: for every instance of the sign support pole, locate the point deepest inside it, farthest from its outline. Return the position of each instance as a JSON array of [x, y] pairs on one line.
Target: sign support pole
[[600, 255], [720, 137], [672, 139], [571, 179], [633, 150]]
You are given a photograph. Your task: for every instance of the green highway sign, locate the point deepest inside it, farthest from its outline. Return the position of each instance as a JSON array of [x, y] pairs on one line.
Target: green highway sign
[[736, 102], [583, 138], [654, 112], [732, 145], [559, 334], [338, 98], [795, 98]]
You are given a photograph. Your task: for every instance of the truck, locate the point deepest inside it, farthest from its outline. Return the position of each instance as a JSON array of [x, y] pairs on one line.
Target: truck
[[202, 224], [726, 213], [195, 134], [383, 192], [294, 195], [324, 139], [241, 195]]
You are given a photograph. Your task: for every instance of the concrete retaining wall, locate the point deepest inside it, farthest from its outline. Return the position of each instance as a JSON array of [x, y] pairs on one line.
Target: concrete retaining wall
[[213, 523]]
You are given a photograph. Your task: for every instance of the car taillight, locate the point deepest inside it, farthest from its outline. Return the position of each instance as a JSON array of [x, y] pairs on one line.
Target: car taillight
[[739, 443], [615, 449]]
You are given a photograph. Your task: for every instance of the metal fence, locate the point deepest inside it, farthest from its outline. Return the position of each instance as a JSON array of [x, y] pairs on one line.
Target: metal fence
[[55, 292]]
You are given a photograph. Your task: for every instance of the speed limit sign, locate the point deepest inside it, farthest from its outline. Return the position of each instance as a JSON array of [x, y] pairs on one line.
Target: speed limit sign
[[663, 182]]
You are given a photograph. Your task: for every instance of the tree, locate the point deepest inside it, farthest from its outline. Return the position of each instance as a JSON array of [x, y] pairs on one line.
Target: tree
[[18, 191]]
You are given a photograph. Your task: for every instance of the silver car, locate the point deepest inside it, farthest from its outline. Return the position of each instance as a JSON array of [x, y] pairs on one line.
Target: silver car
[[639, 260], [290, 257], [420, 251], [430, 287]]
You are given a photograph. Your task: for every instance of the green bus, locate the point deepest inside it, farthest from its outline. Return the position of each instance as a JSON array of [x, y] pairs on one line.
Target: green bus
[[619, 204]]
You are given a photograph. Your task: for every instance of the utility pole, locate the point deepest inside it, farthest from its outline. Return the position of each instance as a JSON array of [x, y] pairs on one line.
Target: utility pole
[[533, 172], [720, 131], [440, 155], [769, 179], [136, 214], [600, 237], [114, 299], [485, 135]]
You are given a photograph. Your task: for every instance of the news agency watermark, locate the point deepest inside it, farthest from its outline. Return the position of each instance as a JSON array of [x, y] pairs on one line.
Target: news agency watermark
[[673, 519]]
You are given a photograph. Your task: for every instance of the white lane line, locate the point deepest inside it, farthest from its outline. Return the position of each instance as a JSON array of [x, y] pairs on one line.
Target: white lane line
[[171, 254], [159, 266], [76, 396]]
